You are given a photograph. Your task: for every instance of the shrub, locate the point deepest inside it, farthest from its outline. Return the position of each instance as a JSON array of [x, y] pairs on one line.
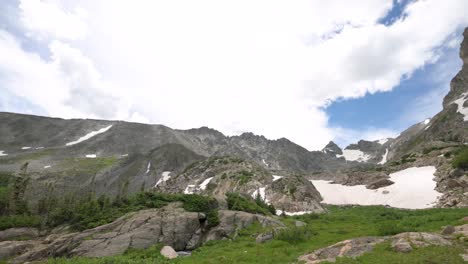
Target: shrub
[[461, 159], [390, 229], [19, 221], [295, 235], [238, 202]]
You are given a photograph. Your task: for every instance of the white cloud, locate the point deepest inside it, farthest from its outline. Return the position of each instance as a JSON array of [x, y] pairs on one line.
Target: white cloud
[[45, 19], [262, 66]]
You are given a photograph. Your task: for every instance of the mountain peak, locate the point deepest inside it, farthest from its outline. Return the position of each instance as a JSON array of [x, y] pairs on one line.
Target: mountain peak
[[332, 148]]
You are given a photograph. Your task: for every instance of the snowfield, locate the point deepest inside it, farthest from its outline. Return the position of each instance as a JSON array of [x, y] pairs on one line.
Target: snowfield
[[276, 177], [413, 189], [2, 153], [462, 110], [165, 176], [382, 141], [91, 156], [384, 157], [205, 183], [354, 155], [25, 148], [88, 136]]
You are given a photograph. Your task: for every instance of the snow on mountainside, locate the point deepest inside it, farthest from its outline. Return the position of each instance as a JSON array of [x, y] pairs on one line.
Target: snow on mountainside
[[88, 136], [413, 189]]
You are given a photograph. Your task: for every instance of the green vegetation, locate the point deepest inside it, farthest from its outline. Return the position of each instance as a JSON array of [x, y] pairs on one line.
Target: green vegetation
[[404, 159], [238, 202], [78, 166], [89, 212], [244, 176], [460, 159], [322, 230], [383, 253]]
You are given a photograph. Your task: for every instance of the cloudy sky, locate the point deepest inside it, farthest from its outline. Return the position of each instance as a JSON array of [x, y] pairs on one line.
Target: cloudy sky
[[311, 71]]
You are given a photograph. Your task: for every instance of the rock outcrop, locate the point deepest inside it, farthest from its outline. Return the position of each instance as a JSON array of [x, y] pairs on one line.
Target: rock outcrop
[[403, 243], [170, 225]]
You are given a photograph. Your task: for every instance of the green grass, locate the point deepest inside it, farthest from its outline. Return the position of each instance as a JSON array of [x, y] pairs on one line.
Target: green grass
[[383, 254], [461, 158], [87, 166], [338, 224], [21, 158]]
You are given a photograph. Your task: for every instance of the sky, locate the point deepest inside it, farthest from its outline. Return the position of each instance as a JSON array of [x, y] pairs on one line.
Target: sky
[[308, 70]]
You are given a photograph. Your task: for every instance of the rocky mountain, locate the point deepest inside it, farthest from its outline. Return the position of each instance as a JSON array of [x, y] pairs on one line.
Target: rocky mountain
[[115, 157], [220, 176]]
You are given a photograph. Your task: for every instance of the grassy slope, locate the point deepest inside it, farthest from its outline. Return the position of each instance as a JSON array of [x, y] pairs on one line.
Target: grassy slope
[[339, 224]]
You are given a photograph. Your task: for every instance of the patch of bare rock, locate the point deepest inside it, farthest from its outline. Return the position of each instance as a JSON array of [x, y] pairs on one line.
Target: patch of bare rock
[[404, 243]]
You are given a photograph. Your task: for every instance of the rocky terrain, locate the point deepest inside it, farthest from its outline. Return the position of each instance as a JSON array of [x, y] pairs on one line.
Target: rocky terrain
[[170, 225], [402, 243]]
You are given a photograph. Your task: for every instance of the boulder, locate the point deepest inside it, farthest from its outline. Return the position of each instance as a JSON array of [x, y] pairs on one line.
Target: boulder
[[448, 230], [401, 245], [299, 223], [264, 237], [21, 233], [9, 249], [379, 184], [348, 248], [169, 252], [233, 221]]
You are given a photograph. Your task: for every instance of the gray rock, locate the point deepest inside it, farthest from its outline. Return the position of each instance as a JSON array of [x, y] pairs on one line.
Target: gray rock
[[169, 252], [448, 230], [401, 245], [21, 233], [261, 238], [298, 223], [348, 248]]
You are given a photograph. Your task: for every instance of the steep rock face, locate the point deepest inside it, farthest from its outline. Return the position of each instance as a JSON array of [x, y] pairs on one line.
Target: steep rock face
[[170, 225], [450, 124], [219, 176], [332, 149]]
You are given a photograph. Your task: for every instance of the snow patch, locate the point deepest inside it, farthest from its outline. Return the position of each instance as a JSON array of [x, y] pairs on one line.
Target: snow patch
[[2, 153], [426, 121], [25, 148], [264, 162], [280, 212], [260, 191], [165, 176], [91, 156], [39, 148], [462, 110], [413, 189], [354, 155], [205, 183], [427, 127], [276, 177], [124, 155], [384, 157], [189, 189], [88, 136], [148, 168], [47, 166], [382, 141]]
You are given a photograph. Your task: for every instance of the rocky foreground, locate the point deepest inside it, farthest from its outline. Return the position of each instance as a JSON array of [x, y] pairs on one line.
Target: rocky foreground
[[170, 225], [403, 243]]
